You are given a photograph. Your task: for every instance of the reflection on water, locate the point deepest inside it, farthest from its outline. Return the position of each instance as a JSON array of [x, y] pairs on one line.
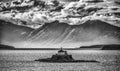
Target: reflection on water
[[23, 61]]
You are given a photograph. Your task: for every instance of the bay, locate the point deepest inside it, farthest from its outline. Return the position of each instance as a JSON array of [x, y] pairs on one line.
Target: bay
[[23, 60]]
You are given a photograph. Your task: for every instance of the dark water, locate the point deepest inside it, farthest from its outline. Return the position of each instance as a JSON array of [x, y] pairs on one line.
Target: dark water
[[24, 61]]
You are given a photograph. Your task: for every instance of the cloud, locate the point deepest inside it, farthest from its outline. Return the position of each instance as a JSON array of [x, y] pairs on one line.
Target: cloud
[[73, 13], [92, 1]]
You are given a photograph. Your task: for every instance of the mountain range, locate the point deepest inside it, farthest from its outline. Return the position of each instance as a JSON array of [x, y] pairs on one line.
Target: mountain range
[[56, 34], [88, 33], [54, 24]]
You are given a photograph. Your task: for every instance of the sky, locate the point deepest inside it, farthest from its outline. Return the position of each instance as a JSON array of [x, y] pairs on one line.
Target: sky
[[102, 10]]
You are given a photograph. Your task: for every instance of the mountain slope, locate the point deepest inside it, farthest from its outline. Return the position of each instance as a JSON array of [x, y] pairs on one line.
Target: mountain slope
[[89, 33], [11, 33]]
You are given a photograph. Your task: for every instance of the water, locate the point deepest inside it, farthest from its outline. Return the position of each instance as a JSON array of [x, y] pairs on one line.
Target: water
[[20, 60]]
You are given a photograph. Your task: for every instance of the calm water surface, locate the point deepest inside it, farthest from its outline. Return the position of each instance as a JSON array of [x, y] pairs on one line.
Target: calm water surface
[[21, 60]]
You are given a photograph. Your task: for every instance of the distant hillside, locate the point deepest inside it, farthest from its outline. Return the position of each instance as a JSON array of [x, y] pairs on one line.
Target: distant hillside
[[111, 47], [92, 47], [102, 47], [5, 47]]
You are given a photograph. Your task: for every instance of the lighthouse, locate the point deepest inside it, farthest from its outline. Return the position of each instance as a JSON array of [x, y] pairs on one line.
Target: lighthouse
[[62, 52]]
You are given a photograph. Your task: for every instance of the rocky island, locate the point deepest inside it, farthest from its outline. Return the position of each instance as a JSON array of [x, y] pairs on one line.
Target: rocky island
[[62, 56]]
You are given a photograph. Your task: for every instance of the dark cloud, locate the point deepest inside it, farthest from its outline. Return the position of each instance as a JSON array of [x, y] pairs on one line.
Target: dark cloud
[[117, 2], [72, 13], [5, 0], [69, 0], [93, 1]]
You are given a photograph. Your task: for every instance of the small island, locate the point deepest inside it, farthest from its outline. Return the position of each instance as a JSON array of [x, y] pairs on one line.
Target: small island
[[63, 56]]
